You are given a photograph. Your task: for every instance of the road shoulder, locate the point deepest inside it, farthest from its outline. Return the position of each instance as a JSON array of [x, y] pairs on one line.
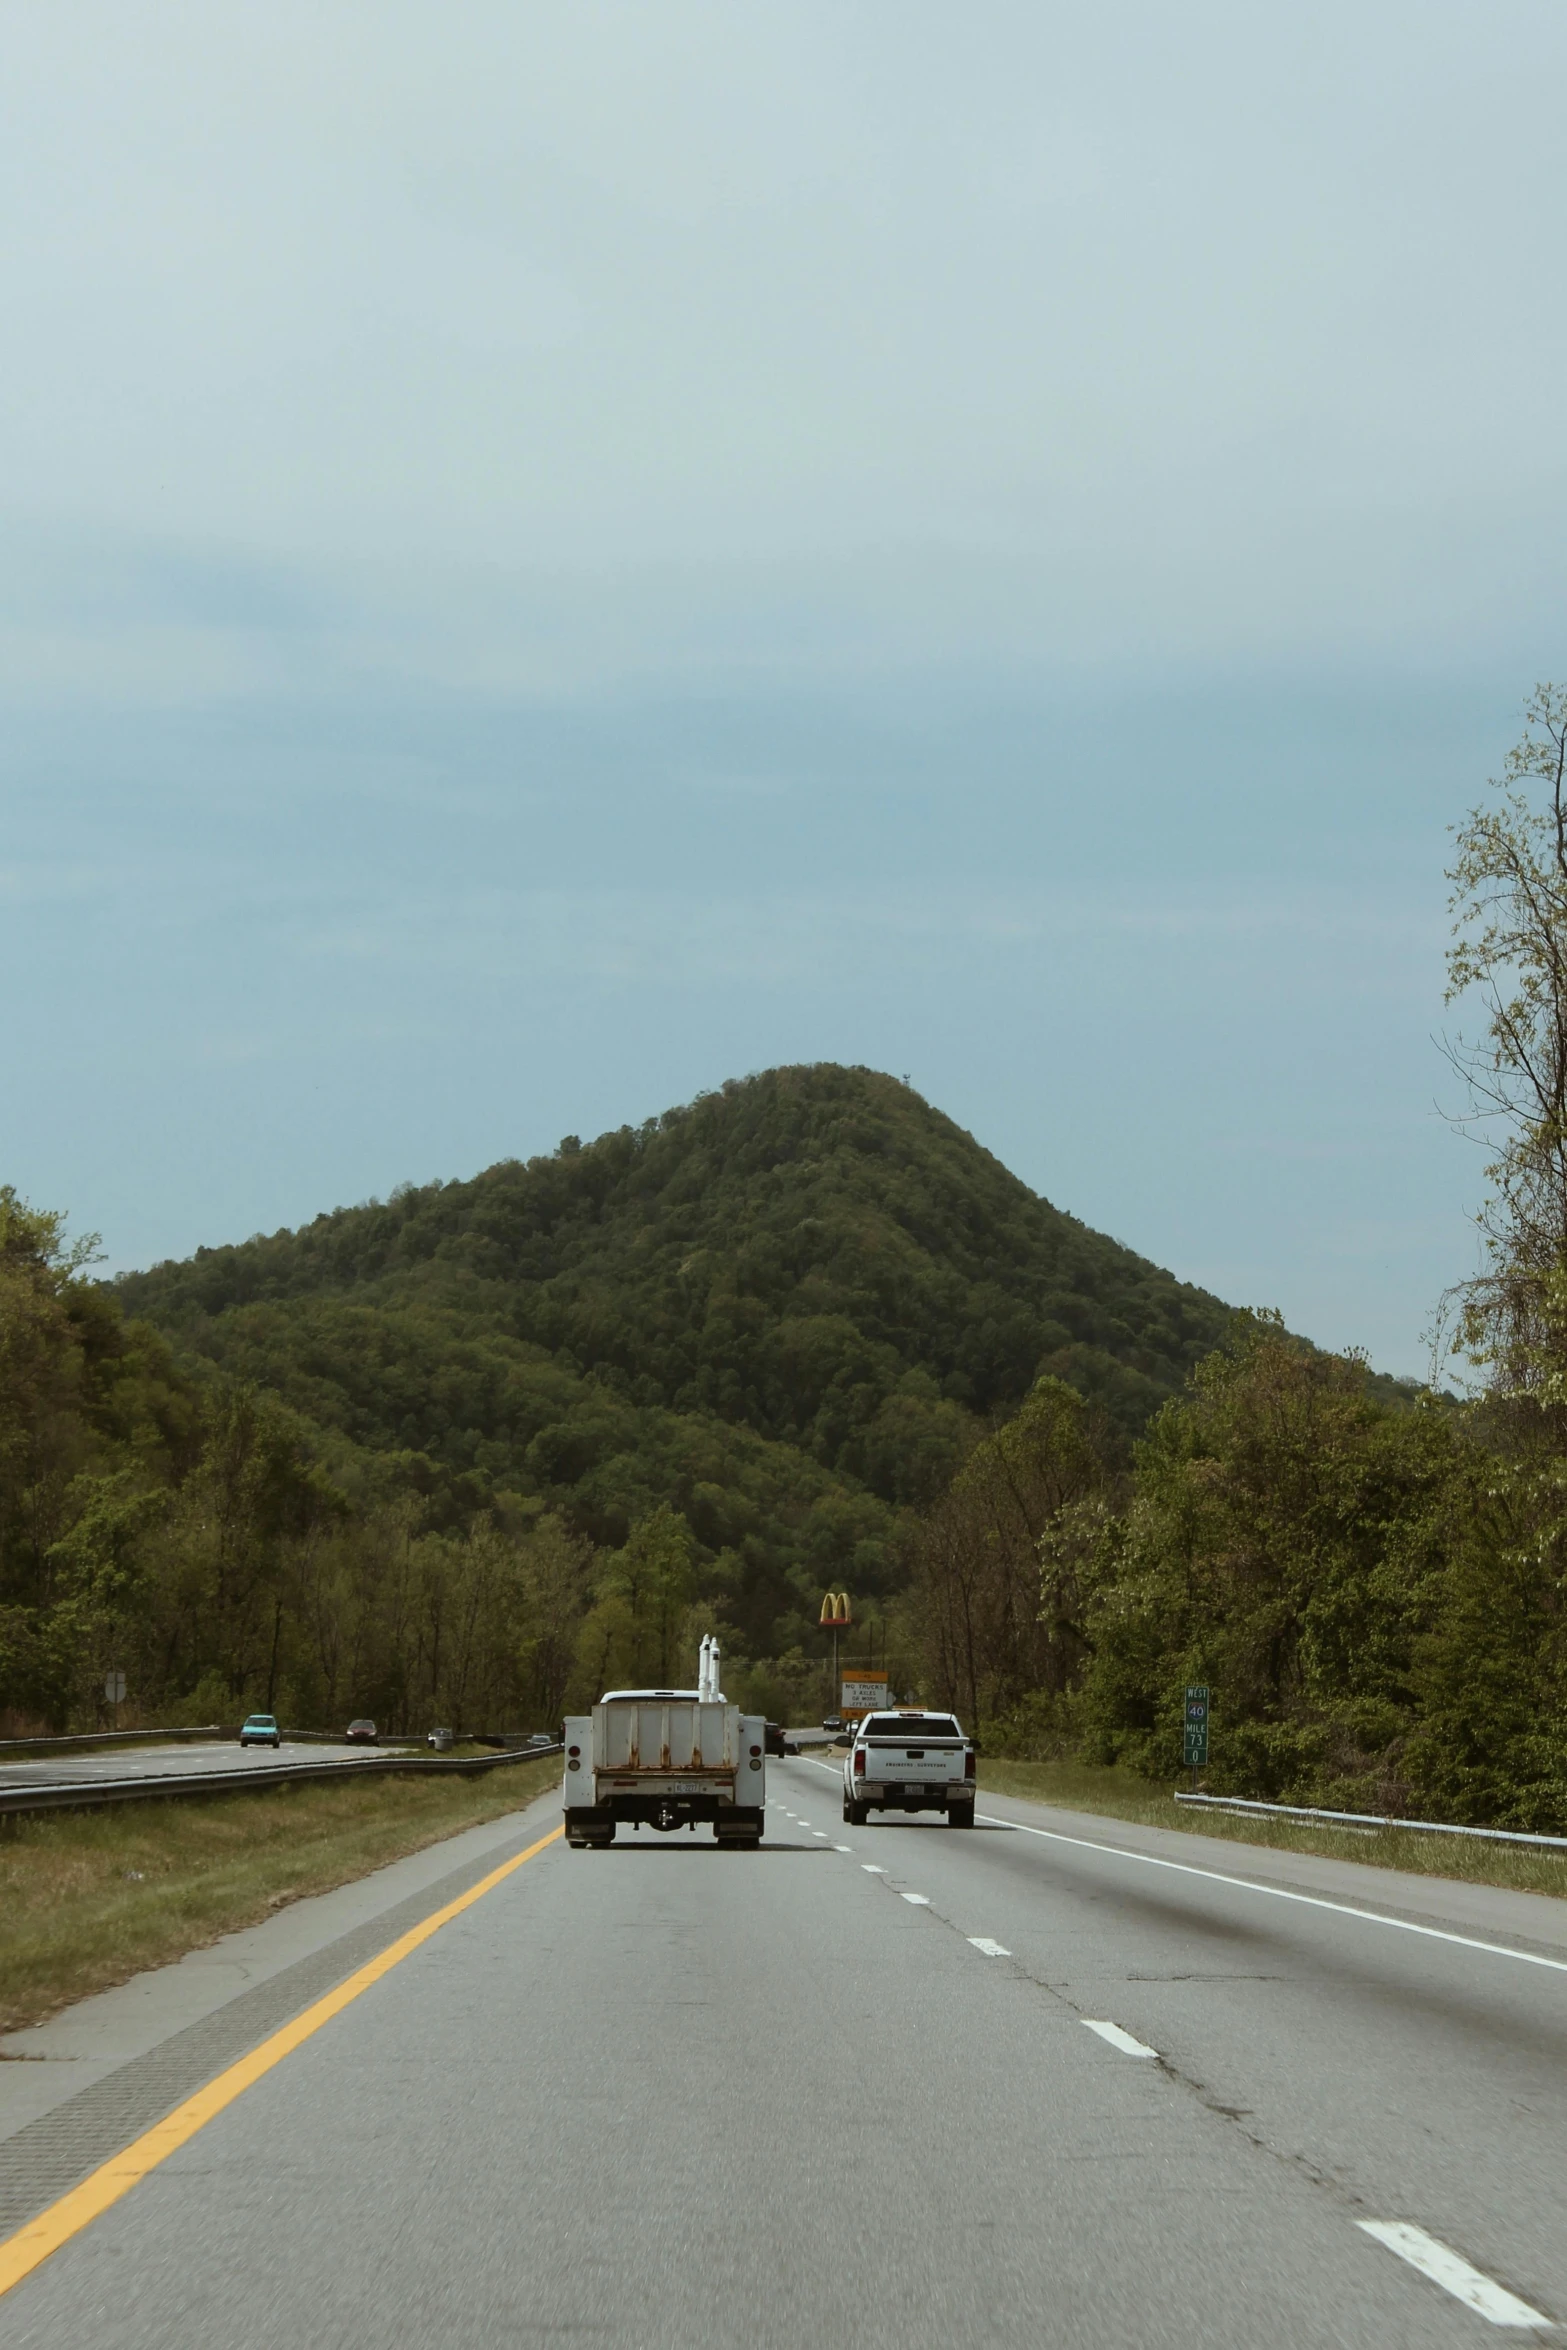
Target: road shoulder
[[47, 2064], [1454, 1903]]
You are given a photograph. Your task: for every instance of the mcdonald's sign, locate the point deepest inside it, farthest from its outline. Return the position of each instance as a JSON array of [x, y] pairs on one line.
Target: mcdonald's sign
[[836, 1612]]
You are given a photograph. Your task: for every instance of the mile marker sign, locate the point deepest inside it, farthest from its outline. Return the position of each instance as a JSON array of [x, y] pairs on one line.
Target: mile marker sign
[[1194, 1741]]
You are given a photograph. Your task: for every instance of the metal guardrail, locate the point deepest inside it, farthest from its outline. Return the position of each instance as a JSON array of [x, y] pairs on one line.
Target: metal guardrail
[[83, 1741], [214, 1733], [1246, 1808], [156, 1786]]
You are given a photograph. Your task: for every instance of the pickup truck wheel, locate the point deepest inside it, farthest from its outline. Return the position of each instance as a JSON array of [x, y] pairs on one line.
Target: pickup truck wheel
[[855, 1814], [960, 1815]]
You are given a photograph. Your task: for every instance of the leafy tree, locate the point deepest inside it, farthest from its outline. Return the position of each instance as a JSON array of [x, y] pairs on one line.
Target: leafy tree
[[94, 1426], [988, 1641], [1509, 902], [556, 1571], [654, 1577], [1286, 1543]]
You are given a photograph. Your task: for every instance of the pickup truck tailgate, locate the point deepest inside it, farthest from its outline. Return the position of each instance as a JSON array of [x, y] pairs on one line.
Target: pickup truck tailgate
[[918, 1765]]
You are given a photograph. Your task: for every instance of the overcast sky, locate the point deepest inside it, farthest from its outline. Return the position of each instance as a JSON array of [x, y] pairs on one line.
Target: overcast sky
[[553, 555]]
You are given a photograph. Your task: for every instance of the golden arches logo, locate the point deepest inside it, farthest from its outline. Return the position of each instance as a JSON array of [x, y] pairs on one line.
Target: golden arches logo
[[836, 1609]]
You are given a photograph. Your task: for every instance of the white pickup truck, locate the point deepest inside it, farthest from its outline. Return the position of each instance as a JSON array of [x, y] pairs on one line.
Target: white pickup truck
[[909, 1762], [667, 1757]]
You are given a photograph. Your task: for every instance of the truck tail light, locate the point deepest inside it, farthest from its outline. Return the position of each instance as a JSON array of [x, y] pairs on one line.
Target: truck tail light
[[968, 1764], [573, 1750], [859, 1762], [756, 1750]]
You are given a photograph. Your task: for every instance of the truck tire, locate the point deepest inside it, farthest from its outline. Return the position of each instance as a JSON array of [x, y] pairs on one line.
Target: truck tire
[[855, 1814], [960, 1815]]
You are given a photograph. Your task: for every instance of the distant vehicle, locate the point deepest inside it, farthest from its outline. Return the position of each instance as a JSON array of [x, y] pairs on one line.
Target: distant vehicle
[[260, 1730], [832, 1721], [773, 1738], [540, 1738], [362, 1733], [791, 1746], [664, 1758], [440, 1740], [909, 1762]]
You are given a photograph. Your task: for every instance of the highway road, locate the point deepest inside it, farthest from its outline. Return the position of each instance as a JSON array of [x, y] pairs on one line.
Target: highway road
[[177, 1762], [1058, 2081]]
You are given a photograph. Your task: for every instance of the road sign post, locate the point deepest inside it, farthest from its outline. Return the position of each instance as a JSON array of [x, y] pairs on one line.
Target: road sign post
[[114, 1691], [1194, 1729], [836, 1616]]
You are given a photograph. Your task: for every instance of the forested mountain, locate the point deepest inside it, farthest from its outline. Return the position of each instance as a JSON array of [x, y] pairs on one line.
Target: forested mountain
[[787, 1309]]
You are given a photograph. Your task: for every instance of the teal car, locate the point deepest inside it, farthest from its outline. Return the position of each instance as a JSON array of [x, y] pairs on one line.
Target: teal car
[[260, 1730]]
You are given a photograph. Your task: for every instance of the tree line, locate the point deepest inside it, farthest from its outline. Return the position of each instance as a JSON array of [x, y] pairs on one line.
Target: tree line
[[186, 1533]]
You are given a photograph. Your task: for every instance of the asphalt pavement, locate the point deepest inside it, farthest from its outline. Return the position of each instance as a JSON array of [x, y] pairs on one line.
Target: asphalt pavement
[[1052, 2081], [173, 1762]]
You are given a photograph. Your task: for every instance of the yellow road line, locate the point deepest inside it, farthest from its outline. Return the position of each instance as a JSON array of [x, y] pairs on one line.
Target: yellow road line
[[23, 2252]]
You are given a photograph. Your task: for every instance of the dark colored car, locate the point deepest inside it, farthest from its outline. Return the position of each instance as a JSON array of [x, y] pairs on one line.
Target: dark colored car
[[773, 1737], [832, 1721], [362, 1733]]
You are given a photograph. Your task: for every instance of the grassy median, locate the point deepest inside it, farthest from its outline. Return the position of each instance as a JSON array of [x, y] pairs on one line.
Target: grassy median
[[88, 1898], [1119, 1795]]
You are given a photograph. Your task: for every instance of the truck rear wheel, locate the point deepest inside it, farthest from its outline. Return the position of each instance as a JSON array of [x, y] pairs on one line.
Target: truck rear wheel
[[855, 1814], [960, 1815]]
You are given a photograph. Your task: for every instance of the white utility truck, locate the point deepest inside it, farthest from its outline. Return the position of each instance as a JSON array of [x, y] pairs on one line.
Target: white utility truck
[[667, 1757], [909, 1762]]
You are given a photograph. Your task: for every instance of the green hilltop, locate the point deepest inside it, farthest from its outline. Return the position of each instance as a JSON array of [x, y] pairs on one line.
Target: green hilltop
[[786, 1308]]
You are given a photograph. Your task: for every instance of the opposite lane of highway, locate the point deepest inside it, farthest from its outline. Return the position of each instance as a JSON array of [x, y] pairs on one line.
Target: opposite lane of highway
[[663, 2093], [174, 1762]]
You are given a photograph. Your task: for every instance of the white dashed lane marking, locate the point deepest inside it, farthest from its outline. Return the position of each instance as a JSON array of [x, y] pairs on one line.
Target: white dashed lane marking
[[1432, 2258], [1453, 2273], [1118, 2039]]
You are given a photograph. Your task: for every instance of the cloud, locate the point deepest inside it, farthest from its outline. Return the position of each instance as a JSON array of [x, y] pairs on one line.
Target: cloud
[[526, 350]]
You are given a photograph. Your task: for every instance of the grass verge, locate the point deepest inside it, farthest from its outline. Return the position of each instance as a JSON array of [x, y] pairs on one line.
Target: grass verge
[[89, 1898], [1117, 1794]]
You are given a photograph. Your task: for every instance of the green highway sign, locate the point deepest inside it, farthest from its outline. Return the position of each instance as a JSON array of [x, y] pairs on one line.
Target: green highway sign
[[1194, 1737]]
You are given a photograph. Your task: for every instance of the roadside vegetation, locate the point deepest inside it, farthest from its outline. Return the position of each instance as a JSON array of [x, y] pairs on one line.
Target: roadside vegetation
[[90, 1898]]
